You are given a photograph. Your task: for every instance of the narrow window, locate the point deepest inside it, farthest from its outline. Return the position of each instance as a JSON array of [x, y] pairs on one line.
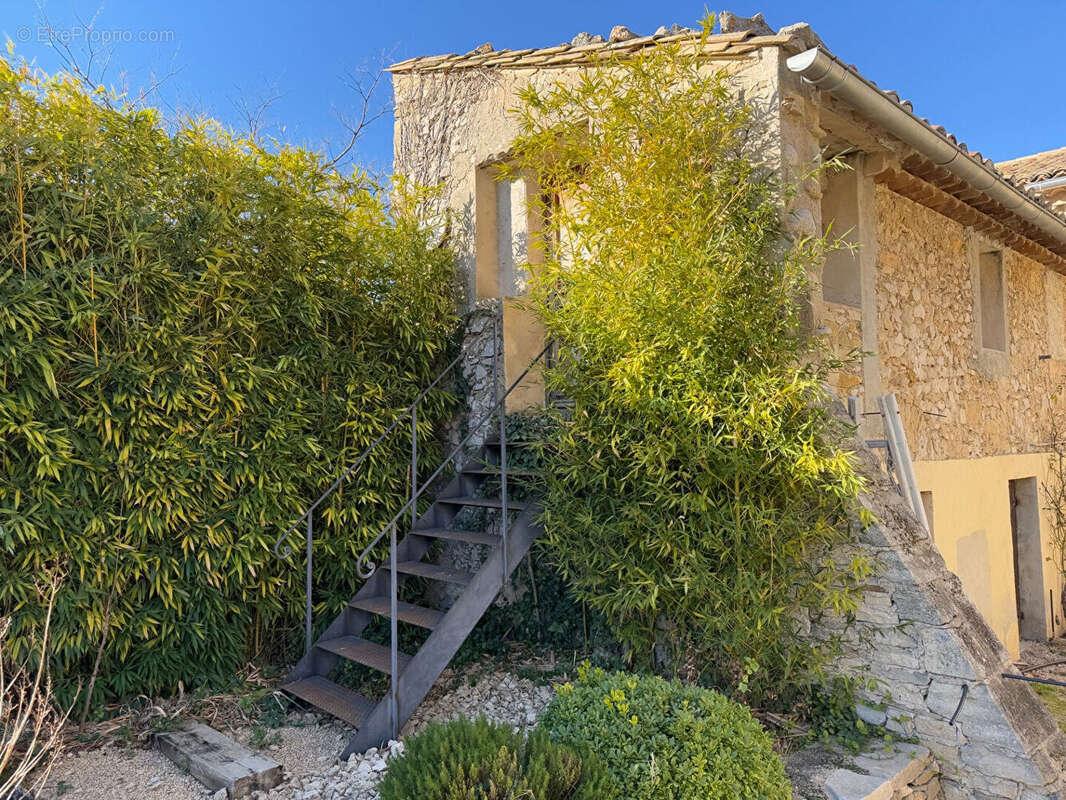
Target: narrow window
[[512, 231], [991, 301], [840, 219], [1056, 313], [504, 227]]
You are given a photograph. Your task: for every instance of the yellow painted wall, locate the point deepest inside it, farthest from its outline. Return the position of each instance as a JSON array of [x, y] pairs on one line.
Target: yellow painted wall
[[523, 339], [972, 528]]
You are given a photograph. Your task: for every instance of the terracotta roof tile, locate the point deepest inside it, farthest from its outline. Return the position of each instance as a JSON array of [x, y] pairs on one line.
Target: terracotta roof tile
[[1037, 167], [724, 44]]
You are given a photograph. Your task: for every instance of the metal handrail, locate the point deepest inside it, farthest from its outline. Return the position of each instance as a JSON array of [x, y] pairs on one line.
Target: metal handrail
[[450, 457], [364, 568], [307, 516], [412, 504], [362, 457], [390, 527]]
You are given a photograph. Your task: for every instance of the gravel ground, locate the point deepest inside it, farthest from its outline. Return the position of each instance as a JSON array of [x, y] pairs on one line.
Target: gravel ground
[[308, 747], [114, 772], [1035, 654]]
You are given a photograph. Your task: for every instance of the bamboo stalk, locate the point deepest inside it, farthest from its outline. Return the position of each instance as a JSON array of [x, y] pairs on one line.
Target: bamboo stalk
[[99, 657], [20, 200]]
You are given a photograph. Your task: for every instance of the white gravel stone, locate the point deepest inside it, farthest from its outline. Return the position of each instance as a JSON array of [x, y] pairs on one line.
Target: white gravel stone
[[309, 748], [119, 773]]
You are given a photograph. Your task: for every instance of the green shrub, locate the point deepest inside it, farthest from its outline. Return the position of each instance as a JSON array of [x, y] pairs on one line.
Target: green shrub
[[695, 490], [196, 336], [480, 760], [665, 741]]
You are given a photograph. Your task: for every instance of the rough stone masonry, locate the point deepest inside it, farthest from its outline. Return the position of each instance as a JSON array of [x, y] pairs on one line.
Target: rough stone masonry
[[900, 771], [938, 667]]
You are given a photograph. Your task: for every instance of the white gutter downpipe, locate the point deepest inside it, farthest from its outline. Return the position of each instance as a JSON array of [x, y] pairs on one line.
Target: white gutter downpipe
[[1049, 183], [823, 70]]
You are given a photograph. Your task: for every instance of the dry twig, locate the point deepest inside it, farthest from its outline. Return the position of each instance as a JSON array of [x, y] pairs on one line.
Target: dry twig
[[31, 725]]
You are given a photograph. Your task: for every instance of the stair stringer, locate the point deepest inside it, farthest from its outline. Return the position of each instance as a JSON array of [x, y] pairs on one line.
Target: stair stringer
[[437, 651], [353, 621]]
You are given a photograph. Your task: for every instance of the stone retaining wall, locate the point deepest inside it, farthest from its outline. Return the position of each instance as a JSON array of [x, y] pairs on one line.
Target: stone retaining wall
[[888, 772], [937, 665]]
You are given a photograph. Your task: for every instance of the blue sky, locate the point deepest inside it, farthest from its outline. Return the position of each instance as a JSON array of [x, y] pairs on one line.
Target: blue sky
[[993, 73]]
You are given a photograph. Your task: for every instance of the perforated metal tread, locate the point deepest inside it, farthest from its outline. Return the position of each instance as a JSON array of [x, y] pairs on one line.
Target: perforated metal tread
[[323, 693], [434, 572], [406, 612], [361, 651]]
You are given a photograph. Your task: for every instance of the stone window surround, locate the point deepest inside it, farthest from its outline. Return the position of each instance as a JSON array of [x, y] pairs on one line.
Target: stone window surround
[[992, 363], [489, 277], [1055, 300]]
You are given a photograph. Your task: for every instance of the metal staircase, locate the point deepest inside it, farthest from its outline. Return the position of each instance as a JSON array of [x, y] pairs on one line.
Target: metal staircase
[[482, 481]]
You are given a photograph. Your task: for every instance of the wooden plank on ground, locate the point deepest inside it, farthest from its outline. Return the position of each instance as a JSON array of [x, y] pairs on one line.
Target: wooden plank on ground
[[217, 761]]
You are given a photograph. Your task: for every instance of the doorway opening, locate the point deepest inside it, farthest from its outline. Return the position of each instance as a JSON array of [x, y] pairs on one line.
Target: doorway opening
[[1028, 559]]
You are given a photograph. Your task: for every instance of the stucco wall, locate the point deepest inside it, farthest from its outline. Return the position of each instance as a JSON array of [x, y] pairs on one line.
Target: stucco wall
[[972, 528], [843, 326], [452, 127]]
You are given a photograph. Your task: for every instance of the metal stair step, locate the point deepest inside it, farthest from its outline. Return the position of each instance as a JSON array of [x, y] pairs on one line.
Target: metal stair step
[[361, 651], [474, 537], [434, 572], [323, 693], [482, 502], [406, 612], [493, 470]]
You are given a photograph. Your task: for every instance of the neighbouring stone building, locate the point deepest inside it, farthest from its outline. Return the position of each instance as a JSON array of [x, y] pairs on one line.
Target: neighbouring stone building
[[954, 293]]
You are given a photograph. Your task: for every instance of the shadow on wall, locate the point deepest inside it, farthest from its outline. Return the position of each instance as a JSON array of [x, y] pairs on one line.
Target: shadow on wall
[[974, 567]]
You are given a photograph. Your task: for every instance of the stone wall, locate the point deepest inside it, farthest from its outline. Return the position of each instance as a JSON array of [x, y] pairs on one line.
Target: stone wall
[[482, 346], [898, 771], [954, 403], [937, 666], [974, 419]]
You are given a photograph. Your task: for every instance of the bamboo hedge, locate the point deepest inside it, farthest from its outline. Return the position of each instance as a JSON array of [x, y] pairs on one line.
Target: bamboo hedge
[[196, 334]]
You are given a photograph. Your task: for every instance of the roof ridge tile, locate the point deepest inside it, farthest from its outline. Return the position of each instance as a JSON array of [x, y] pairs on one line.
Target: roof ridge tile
[[740, 42]]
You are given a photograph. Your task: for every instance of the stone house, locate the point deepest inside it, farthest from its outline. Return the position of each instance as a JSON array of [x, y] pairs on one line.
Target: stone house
[[955, 294]]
